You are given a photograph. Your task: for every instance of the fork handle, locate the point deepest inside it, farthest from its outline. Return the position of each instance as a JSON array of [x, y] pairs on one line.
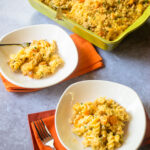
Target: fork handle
[[9, 44], [51, 145], [53, 148]]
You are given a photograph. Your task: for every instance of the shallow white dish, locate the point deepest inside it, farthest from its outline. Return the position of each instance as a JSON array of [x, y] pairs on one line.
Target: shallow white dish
[[66, 49], [90, 90]]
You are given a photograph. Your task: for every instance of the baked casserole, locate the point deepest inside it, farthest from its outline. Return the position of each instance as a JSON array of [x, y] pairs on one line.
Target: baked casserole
[[106, 18]]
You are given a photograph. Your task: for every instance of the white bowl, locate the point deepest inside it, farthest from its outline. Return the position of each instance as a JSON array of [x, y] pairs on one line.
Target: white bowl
[[66, 49], [90, 90]]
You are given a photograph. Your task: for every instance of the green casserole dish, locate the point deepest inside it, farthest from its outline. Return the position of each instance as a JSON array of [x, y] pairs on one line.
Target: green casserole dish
[[86, 34]]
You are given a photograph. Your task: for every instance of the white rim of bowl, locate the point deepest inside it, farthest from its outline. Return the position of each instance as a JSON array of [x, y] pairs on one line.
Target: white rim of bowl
[[142, 137], [38, 87]]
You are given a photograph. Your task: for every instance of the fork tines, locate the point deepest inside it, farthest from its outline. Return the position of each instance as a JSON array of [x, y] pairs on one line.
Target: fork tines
[[41, 129]]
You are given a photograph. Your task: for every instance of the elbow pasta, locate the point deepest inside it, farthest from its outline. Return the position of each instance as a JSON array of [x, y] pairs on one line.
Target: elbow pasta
[[37, 60], [101, 123]]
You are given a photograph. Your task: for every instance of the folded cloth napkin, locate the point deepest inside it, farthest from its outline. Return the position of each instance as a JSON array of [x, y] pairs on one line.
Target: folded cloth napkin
[[48, 117], [89, 60], [50, 125]]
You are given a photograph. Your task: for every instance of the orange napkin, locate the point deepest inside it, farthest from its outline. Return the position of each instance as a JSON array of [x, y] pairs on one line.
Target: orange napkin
[[50, 125], [89, 60], [48, 117]]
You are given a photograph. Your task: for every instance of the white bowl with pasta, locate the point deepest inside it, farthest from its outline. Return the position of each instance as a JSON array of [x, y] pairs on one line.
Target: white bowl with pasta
[[66, 50], [88, 91]]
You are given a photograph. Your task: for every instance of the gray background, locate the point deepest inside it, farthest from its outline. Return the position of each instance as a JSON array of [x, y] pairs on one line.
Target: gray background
[[128, 64]]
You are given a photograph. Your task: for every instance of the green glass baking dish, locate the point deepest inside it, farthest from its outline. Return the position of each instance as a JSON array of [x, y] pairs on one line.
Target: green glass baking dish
[[86, 34]]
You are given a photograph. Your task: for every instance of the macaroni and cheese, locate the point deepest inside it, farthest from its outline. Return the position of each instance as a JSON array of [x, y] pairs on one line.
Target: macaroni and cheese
[[106, 18], [38, 60], [101, 123]]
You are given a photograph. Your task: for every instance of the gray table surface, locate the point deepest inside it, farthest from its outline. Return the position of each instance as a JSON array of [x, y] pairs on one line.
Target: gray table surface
[[128, 64]]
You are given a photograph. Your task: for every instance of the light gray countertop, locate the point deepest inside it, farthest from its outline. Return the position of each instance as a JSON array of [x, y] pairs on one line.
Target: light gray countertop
[[129, 64]]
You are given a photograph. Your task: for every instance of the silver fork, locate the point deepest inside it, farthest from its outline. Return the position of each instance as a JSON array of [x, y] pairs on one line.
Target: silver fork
[[44, 134], [25, 44]]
